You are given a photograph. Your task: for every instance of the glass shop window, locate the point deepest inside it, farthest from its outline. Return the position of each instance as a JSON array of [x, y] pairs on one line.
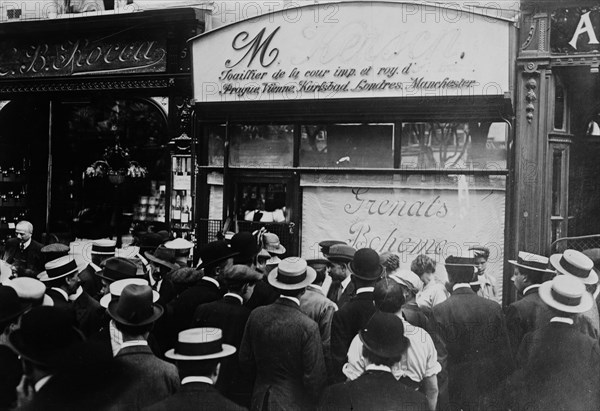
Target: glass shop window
[[216, 145], [347, 146], [454, 145], [262, 146], [264, 202]]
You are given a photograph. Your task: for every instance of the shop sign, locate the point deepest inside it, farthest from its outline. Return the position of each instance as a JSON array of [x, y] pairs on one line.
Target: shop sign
[[81, 56], [353, 50], [575, 30], [407, 222]]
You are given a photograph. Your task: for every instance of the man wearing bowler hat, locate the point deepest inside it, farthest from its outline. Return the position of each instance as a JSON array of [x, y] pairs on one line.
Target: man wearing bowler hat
[[150, 379], [384, 346], [474, 333], [198, 353], [528, 313], [365, 270], [342, 288], [559, 366], [282, 346]]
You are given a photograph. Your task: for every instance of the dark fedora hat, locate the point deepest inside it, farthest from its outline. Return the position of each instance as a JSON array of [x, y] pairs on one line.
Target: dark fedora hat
[[135, 307], [326, 245], [245, 245], [11, 306], [366, 265], [117, 268], [163, 256], [45, 336], [384, 335], [341, 253], [214, 253]]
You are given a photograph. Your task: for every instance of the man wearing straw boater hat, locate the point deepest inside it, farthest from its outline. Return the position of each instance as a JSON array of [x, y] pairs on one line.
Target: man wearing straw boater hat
[[365, 270], [474, 332], [283, 346], [529, 313], [198, 354], [559, 366], [100, 251], [384, 346], [61, 279], [150, 379]]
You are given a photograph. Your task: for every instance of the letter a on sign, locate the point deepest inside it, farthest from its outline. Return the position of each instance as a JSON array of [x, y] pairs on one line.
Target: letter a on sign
[[584, 26]]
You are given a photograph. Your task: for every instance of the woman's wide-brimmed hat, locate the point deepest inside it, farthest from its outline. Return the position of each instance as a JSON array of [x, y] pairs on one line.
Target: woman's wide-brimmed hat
[[532, 262], [565, 293], [292, 273], [197, 344], [135, 306], [576, 264], [271, 244], [365, 265]]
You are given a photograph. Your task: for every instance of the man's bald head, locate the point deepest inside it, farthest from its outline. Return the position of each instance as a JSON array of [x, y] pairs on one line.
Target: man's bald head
[[23, 230]]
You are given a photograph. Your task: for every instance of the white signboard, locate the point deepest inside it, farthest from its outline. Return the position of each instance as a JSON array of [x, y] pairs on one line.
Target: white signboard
[[407, 222], [353, 50]]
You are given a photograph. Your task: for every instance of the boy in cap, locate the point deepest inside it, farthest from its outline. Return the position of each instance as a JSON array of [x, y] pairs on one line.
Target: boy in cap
[[198, 354], [487, 289]]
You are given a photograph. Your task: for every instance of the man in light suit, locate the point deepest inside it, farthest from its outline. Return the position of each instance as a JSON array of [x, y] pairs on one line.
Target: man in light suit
[[282, 346]]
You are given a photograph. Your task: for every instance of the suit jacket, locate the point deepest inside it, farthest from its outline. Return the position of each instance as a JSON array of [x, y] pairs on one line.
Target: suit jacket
[[31, 257], [231, 316], [346, 323], [560, 370], [479, 358], [181, 310], [346, 295], [90, 282], [372, 391], [196, 396], [150, 379], [58, 299], [318, 307], [263, 294], [283, 346], [88, 314], [526, 315]]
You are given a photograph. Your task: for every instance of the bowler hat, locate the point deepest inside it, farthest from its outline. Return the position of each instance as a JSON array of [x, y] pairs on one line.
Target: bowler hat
[[384, 335], [576, 264], [532, 261], [214, 253], [104, 247], [365, 265], [341, 253], [59, 268], [45, 336], [117, 268], [116, 289], [11, 306], [326, 246], [162, 256], [564, 293], [246, 247], [292, 273], [135, 307], [197, 344], [272, 244]]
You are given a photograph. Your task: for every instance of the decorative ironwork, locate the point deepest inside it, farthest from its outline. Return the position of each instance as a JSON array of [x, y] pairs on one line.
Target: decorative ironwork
[[85, 85], [530, 98]]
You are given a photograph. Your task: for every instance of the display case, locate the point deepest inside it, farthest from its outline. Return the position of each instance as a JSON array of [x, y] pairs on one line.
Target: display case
[[13, 197], [181, 203]]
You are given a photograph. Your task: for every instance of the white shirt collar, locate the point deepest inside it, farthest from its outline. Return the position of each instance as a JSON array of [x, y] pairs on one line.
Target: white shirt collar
[[239, 297], [345, 283], [365, 290], [41, 382], [78, 293], [461, 285], [563, 320], [26, 243], [133, 343], [532, 286], [95, 267], [294, 299], [62, 292], [373, 367], [205, 380], [212, 280]]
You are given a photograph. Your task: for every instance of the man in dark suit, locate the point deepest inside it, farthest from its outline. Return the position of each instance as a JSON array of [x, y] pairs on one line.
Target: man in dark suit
[[560, 366], [474, 333], [529, 313], [61, 280], [384, 345], [101, 250], [230, 315], [282, 346], [150, 379], [365, 270], [342, 288], [198, 354], [23, 252]]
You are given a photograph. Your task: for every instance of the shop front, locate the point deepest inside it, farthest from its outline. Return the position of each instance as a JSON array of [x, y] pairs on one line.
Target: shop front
[[382, 124], [89, 107]]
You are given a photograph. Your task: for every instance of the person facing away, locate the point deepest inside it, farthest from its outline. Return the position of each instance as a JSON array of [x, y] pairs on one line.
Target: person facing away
[[434, 291]]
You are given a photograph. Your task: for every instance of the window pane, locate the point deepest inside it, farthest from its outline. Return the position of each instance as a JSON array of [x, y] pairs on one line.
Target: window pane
[[261, 146], [216, 145], [556, 183], [559, 108], [347, 145], [264, 202], [469, 145]]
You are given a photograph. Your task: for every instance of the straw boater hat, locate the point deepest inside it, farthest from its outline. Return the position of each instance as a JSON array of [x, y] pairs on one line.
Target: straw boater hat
[[116, 289], [292, 273], [162, 256], [59, 268], [180, 245], [576, 264], [104, 247], [117, 268], [272, 244], [30, 289], [384, 335], [365, 265], [11, 306], [530, 261], [197, 344], [135, 306], [566, 294]]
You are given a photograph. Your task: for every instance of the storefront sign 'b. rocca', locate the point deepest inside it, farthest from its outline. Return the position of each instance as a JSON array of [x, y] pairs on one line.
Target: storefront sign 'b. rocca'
[[361, 52]]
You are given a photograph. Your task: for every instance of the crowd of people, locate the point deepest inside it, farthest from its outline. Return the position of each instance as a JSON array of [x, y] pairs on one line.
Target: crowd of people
[[249, 329]]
